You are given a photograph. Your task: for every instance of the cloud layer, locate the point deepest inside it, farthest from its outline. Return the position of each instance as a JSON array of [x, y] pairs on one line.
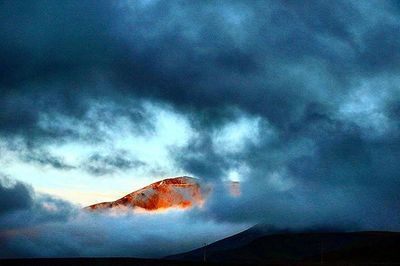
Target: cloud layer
[[37, 225]]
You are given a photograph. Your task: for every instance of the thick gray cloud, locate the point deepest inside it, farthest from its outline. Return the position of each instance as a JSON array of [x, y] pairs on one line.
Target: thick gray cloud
[[22, 207], [322, 76], [268, 58], [13, 196]]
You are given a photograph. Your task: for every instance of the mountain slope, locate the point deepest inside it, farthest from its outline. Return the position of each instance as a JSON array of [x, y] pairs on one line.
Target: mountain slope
[[313, 247], [236, 241], [178, 192]]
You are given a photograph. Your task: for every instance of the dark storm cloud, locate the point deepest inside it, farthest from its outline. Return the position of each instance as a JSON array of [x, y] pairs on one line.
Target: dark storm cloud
[[200, 159], [54, 55], [325, 171], [202, 56], [98, 164], [21, 207], [267, 58], [302, 68], [37, 69], [13, 196]]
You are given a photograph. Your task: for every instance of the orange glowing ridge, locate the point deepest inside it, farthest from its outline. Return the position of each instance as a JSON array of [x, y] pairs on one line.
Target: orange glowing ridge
[[179, 192]]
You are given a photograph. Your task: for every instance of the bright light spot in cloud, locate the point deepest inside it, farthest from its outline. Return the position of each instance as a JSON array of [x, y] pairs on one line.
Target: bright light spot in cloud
[[233, 175], [239, 173]]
